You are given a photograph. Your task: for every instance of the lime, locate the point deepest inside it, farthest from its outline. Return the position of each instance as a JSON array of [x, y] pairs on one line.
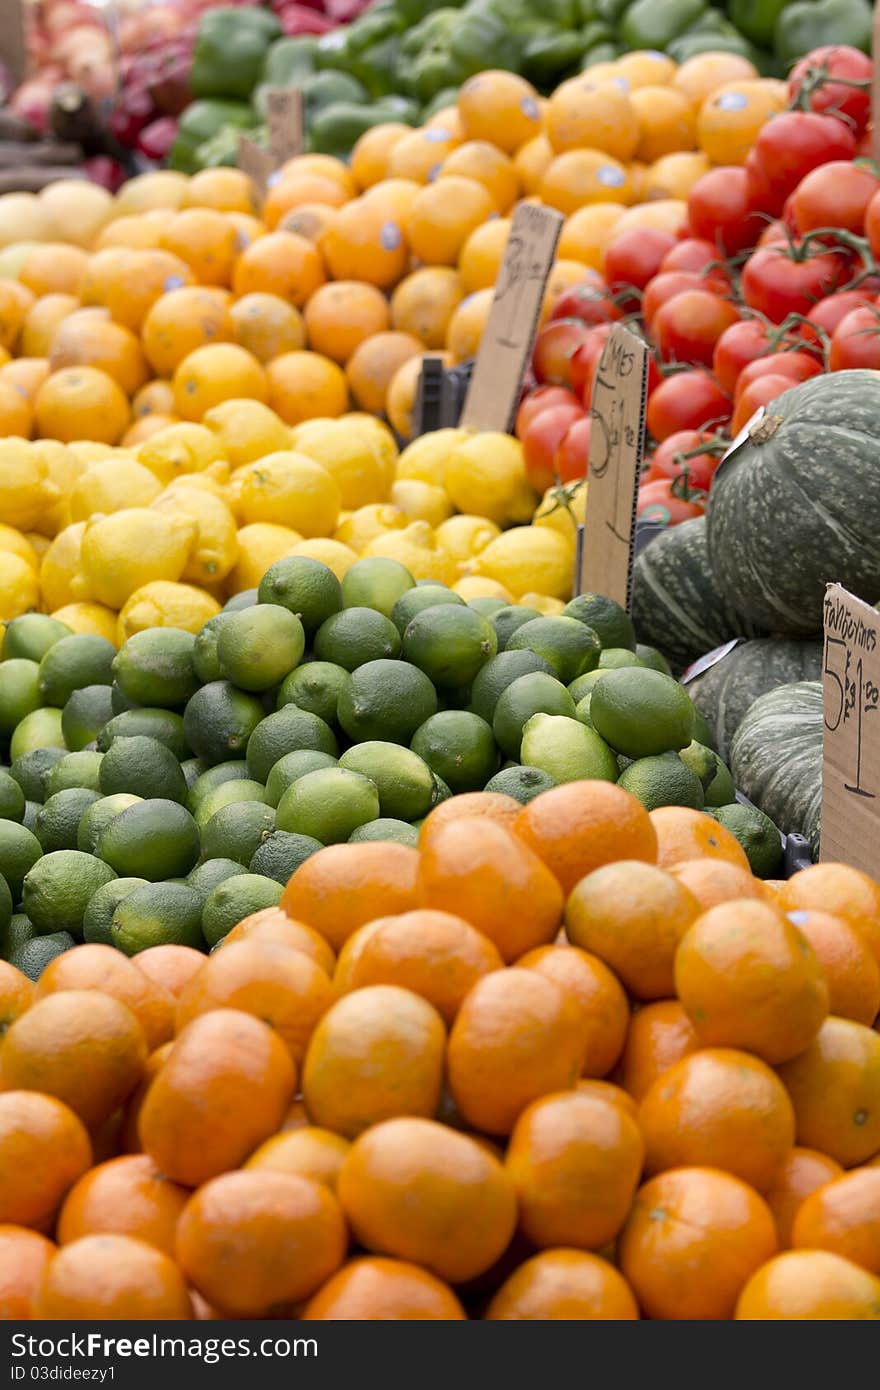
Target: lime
[[219, 720], [701, 760], [82, 769], [141, 765], [153, 839], [205, 877], [5, 907], [642, 712], [570, 647], [119, 702], [283, 732], [612, 658], [442, 791], [206, 664], [291, 767], [416, 600], [155, 667], [38, 730], [98, 816], [32, 635], [84, 658], [257, 647], [162, 724], [386, 700], [32, 957], [650, 657], [238, 789], [506, 621], [449, 644], [583, 685], [31, 811], [245, 599], [376, 582], [58, 819], [232, 901], [17, 931], [85, 714], [459, 747], [31, 770], [12, 798], [662, 780], [99, 913], [303, 586], [315, 687], [531, 694], [281, 854], [758, 836], [19, 692], [566, 749], [582, 710], [328, 804], [522, 783], [57, 889], [386, 828], [192, 769], [402, 779], [486, 606], [498, 673], [611, 623], [702, 731], [236, 831], [215, 777], [720, 791], [356, 635], [157, 914]]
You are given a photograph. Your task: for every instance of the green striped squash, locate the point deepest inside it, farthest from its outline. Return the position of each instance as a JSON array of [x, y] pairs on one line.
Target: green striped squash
[[726, 692], [776, 757]]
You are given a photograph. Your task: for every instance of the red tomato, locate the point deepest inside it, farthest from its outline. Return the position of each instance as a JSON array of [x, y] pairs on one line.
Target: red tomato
[[665, 286], [793, 144], [541, 440], [758, 393], [686, 401], [828, 313], [687, 327], [774, 234], [700, 258], [738, 345], [634, 258], [794, 366], [720, 210], [573, 451], [872, 224], [555, 345], [779, 281], [542, 398], [590, 302], [657, 502], [837, 98], [669, 460], [586, 359], [855, 341], [836, 195]]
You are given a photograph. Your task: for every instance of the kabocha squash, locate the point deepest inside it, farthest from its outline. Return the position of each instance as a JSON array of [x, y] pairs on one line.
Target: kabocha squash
[[798, 504], [726, 692], [776, 757]]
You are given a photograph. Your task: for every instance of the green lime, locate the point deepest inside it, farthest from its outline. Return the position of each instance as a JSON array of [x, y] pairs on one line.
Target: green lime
[[119, 702], [58, 819], [155, 667], [257, 647], [376, 582], [234, 900], [522, 783], [315, 687], [205, 877], [486, 606], [17, 931], [85, 714], [281, 854], [237, 830], [215, 777], [5, 907], [652, 658], [12, 798], [143, 765], [19, 851], [642, 712], [32, 957], [32, 635], [157, 914], [19, 692], [82, 769], [663, 780], [758, 836], [98, 816], [305, 587], [402, 779], [583, 685], [238, 789], [386, 828], [192, 769], [328, 804], [611, 623], [99, 913], [153, 839], [612, 658], [31, 811], [582, 710], [702, 731], [498, 673], [459, 747], [386, 700], [219, 720], [162, 724], [570, 647], [283, 732], [534, 693], [245, 599], [566, 749], [31, 770], [356, 635], [38, 730], [442, 791], [701, 760], [84, 658], [292, 766], [416, 600], [206, 663], [720, 791], [449, 644], [57, 889], [508, 620]]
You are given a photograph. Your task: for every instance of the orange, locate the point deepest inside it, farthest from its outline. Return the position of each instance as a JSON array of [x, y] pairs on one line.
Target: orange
[[434, 954], [112, 1277], [281, 263], [811, 1285], [250, 1241], [156, 398], [15, 303], [501, 108], [341, 887], [564, 1285], [144, 429], [325, 166], [419, 1190], [44, 1148], [372, 152], [310, 220], [343, 314], [24, 1256], [223, 1089], [714, 881], [419, 155], [579, 177], [481, 255], [443, 215], [673, 175], [53, 267], [851, 970], [16, 995], [106, 969], [747, 978], [247, 228], [380, 1290], [128, 283], [579, 826], [485, 164], [215, 373], [304, 386], [645, 68], [729, 121], [90, 339], [588, 231], [686, 834], [693, 1239], [667, 122], [530, 161], [136, 233], [802, 1172], [494, 806], [169, 966], [129, 1139], [843, 1216], [834, 1086], [587, 112], [517, 1036], [273, 924], [660, 1034], [365, 243], [467, 324], [265, 325], [375, 1054], [394, 197], [424, 302], [81, 403], [309, 1152], [16, 416], [26, 374], [702, 75], [841, 890], [127, 1196], [603, 1006], [225, 190], [41, 321], [575, 1162], [290, 193], [182, 321], [205, 240], [374, 364]]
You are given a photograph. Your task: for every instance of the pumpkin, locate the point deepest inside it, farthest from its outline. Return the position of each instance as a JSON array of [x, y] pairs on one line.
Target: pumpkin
[[776, 757], [798, 504], [725, 693], [676, 605]]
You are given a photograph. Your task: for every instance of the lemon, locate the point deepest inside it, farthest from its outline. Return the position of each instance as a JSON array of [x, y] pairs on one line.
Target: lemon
[[164, 604], [290, 489], [563, 509], [259, 546], [63, 469], [124, 551], [246, 430], [349, 456], [486, 476], [26, 489], [463, 536], [182, 448], [13, 541], [479, 586], [89, 451], [422, 501], [215, 548], [416, 549], [530, 558], [60, 565], [357, 529], [543, 604], [336, 556], [425, 458], [89, 617], [38, 544], [19, 588], [111, 485], [380, 436]]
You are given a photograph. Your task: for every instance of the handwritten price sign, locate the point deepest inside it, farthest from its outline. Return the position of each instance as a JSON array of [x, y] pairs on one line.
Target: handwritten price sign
[[851, 746]]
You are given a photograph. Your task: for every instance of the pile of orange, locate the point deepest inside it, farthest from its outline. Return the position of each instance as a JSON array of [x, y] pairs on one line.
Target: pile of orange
[[565, 1060]]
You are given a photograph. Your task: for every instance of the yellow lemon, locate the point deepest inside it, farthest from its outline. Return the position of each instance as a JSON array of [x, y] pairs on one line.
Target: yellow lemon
[[380, 435], [164, 604], [60, 565], [421, 501], [349, 456], [26, 489], [426, 457], [17, 544], [182, 448], [216, 545], [110, 485], [128, 549], [63, 469], [201, 482], [336, 556], [478, 586], [38, 544], [19, 588], [89, 451], [530, 559], [290, 489], [562, 509], [90, 618], [357, 529], [416, 549], [486, 476], [543, 603], [259, 546], [464, 536], [246, 430]]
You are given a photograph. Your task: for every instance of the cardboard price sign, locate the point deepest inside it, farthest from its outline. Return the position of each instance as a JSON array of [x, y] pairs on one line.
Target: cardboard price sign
[[617, 410], [851, 744], [254, 161], [284, 117], [506, 345]]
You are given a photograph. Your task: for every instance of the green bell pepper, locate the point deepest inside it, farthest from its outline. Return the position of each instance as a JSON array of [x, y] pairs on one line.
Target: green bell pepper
[[434, 28], [611, 11], [200, 122], [757, 18], [230, 51], [290, 60], [809, 24], [649, 24], [447, 96], [378, 68], [605, 52], [478, 38], [549, 58], [691, 45], [328, 88], [336, 129], [433, 71]]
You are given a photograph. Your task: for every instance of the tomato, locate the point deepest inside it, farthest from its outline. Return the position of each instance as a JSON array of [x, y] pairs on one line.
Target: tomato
[[634, 258], [788, 148], [665, 286], [778, 281], [738, 345], [586, 360], [758, 393], [835, 195], [542, 398], [687, 327], [687, 401], [590, 302], [872, 224], [701, 258], [669, 460], [855, 341], [541, 440], [720, 209], [827, 314], [774, 234], [573, 451], [555, 345], [657, 502], [838, 98], [795, 366]]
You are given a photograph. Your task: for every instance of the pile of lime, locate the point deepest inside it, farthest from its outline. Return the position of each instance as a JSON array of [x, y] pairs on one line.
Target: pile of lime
[[164, 792]]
